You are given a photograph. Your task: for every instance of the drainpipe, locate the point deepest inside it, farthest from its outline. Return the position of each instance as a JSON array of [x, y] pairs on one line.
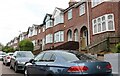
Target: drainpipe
[[88, 20]]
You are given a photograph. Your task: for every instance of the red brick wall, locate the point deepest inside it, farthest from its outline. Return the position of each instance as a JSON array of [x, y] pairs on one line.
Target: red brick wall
[[102, 9]]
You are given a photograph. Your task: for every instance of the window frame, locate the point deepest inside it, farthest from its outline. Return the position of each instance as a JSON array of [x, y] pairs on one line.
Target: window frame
[[99, 2], [59, 36], [70, 14], [106, 20], [81, 10]]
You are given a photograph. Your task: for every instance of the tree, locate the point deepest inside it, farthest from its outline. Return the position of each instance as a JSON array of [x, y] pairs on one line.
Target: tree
[[8, 49], [26, 45]]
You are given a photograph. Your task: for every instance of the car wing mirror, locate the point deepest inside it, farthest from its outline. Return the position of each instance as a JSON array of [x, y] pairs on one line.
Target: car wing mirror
[[32, 61], [14, 56]]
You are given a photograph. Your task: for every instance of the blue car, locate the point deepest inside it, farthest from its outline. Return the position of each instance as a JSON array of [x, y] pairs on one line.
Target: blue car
[[66, 63]]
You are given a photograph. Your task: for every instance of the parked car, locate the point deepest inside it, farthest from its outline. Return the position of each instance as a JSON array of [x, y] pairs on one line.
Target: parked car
[[7, 58], [63, 63], [2, 54], [19, 59]]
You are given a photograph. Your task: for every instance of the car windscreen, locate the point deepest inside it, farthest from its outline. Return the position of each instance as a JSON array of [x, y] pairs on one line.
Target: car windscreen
[[10, 54], [68, 56], [2, 53], [25, 54]]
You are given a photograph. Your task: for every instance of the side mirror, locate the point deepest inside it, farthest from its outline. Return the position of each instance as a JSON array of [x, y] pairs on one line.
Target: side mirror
[[14, 56], [32, 61]]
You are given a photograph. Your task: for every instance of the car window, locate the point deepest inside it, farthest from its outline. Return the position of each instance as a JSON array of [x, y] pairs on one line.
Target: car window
[[68, 56], [85, 57], [39, 57], [52, 57], [47, 56]]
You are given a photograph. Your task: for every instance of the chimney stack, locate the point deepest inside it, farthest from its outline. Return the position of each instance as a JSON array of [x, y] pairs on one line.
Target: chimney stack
[[71, 2]]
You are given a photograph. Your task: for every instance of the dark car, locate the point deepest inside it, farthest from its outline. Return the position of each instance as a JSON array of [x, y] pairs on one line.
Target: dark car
[[70, 63], [19, 59]]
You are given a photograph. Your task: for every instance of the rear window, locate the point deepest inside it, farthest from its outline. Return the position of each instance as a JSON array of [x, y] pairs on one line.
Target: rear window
[[25, 54], [68, 56], [10, 54], [85, 57], [2, 53]]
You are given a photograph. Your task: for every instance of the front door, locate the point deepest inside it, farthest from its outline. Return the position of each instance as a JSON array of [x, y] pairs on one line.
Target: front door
[[84, 38]]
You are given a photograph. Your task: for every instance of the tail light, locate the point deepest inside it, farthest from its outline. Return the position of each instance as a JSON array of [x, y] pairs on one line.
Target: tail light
[[109, 66], [78, 69], [8, 57]]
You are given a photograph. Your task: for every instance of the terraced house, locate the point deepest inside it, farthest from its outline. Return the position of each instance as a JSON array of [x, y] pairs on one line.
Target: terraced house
[[87, 26]]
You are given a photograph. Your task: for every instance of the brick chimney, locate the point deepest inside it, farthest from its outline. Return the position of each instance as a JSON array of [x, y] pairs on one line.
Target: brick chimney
[[71, 2]]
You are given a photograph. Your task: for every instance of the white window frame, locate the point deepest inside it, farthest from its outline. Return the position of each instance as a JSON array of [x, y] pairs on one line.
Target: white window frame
[[70, 14], [49, 38], [49, 24], [96, 2], [58, 19], [82, 9], [106, 21], [59, 36]]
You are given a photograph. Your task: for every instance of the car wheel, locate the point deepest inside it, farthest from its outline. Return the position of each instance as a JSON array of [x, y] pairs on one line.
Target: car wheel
[[26, 72], [11, 66], [6, 64], [16, 68], [3, 63]]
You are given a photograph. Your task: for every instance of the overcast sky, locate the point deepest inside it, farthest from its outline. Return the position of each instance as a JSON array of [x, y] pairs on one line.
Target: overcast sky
[[18, 15]]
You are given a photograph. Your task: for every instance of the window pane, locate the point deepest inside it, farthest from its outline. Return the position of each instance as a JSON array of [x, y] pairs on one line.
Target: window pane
[[82, 9], [103, 26], [99, 27], [110, 16], [69, 35], [95, 28], [99, 20], [110, 25], [76, 35], [94, 21], [69, 14], [103, 18]]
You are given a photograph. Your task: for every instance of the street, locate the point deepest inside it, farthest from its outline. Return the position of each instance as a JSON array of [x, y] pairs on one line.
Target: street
[[6, 71]]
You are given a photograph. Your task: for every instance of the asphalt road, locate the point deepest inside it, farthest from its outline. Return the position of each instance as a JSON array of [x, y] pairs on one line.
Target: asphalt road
[[6, 71]]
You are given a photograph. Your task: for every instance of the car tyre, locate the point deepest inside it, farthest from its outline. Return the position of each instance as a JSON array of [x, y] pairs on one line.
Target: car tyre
[[15, 69], [6, 64], [11, 66], [26, 72]]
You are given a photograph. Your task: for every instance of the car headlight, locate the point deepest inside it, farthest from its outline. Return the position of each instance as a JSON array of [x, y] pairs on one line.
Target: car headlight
[[19, 62]]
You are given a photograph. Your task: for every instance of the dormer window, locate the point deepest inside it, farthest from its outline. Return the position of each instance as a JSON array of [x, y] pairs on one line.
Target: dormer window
[[49, 24]]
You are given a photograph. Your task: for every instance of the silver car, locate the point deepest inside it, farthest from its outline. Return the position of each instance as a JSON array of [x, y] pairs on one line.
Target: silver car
[[7, 58], [2, 54]]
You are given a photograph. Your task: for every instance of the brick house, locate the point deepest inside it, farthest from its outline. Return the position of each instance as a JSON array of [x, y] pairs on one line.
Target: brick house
[[86, 25]]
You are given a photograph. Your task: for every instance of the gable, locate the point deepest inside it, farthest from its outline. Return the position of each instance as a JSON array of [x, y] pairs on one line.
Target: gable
[[56, 12]]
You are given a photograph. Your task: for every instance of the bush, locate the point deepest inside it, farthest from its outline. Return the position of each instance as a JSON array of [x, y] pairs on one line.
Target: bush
[[118, 47]]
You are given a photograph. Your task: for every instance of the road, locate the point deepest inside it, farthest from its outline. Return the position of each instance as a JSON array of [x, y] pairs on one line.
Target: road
[[6, 71]]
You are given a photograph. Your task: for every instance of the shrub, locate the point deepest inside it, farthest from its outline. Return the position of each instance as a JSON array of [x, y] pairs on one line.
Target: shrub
[[118, 47]]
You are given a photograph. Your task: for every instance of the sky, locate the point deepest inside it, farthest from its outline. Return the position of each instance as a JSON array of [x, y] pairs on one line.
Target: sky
[[17, 15]]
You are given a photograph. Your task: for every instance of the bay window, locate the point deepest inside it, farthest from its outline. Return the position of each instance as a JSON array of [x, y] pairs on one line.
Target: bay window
[[103, 23]]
